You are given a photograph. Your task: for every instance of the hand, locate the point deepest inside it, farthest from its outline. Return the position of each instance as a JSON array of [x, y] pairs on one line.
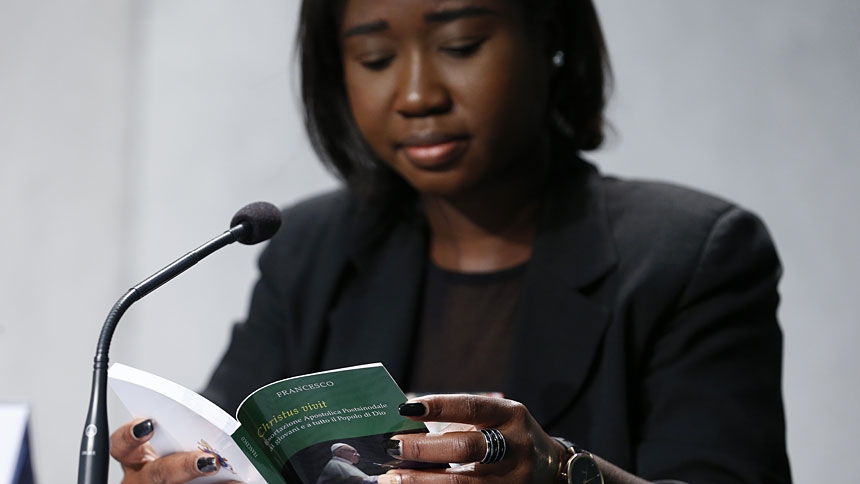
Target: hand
[[129, 445], [531, 455]]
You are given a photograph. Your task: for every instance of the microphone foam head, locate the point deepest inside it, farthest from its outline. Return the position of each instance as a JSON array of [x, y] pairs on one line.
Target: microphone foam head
[[261, 220]]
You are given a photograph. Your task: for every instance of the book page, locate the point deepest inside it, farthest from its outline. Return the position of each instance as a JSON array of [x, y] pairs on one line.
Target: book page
[[183, 420]]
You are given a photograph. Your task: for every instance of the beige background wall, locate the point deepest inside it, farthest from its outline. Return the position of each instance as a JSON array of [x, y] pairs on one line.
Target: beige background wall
[[130, 131]]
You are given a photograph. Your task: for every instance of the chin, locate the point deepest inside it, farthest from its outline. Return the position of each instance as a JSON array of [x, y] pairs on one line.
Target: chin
[[440, 190], [441, 184]]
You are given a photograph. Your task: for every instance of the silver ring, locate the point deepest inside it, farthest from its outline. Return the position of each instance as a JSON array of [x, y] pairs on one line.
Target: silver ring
[[496, 446]]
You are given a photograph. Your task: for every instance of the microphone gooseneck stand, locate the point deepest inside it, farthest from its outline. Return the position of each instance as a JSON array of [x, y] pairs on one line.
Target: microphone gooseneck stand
[[254, 223]]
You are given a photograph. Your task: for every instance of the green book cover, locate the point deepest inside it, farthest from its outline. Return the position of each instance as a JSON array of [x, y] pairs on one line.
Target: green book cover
[[300, 421]]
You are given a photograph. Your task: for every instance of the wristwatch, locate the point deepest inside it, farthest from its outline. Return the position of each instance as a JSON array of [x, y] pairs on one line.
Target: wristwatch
[[580, 468]]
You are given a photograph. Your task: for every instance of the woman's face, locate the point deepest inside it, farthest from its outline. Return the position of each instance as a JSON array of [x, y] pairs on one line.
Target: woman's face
[[452, 94]]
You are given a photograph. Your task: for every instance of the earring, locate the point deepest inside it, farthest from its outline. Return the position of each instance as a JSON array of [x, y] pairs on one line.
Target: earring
[[558, 58]]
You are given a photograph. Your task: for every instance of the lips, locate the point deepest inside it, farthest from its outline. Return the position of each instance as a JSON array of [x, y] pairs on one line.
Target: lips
[[433, 151]]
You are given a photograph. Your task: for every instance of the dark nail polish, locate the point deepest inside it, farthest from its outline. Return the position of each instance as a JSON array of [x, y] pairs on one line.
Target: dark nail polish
[[414, 409], [142, 429], [206, 465], [394, 447]]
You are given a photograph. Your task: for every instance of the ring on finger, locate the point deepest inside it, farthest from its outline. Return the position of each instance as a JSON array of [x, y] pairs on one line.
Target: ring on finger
[[496, 446]]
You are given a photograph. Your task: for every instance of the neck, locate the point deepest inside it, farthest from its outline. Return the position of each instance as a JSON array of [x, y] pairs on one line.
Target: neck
[[486, 232]]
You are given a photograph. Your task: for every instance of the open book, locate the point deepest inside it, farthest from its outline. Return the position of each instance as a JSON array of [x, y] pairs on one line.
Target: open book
[[301, 430]]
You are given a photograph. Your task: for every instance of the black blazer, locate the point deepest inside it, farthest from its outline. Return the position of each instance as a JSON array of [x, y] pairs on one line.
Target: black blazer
[[647, 330]]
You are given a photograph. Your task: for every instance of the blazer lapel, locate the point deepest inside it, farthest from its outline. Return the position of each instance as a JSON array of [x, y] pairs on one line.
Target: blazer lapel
[[559, 328]]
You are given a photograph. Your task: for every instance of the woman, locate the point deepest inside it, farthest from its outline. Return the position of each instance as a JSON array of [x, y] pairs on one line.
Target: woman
[[472, 249]]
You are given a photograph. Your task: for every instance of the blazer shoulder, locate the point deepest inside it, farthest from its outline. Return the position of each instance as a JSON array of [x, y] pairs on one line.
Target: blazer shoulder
[[664, 213], [661, 204], [665, 230]]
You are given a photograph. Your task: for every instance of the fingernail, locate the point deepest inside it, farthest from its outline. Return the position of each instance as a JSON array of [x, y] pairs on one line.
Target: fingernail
[[142, 429], [206, 465], [412, 409], [394, 447]]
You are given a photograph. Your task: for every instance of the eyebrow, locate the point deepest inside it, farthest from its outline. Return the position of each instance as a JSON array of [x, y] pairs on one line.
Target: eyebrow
[[433, 17], [368, 28]]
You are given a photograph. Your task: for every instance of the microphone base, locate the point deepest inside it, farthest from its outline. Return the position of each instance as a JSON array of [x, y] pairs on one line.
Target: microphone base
[[95, 441]]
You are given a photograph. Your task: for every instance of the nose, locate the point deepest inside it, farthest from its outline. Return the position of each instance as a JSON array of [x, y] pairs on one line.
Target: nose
[[421, 88]]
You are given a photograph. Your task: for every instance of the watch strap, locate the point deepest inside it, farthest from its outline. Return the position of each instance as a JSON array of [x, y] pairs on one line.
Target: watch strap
[[561, 475], [570, 446], [575, 452]]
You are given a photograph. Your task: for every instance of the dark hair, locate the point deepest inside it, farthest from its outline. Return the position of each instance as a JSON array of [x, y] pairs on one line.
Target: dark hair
[[579, 94]]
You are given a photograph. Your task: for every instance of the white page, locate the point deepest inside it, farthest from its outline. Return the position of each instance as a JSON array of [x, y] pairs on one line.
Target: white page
[[183, 420]]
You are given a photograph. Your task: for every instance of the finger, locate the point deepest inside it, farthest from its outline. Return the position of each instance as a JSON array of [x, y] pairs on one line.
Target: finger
[[128, 443], [477, 410], [179, 467], [457, 447]]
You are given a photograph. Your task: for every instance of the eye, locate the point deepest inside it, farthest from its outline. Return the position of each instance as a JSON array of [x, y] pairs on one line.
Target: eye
[[463, 49], [376, 63]]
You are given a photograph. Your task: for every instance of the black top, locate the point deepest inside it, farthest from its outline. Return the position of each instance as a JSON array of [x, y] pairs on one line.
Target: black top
[[466, 333]]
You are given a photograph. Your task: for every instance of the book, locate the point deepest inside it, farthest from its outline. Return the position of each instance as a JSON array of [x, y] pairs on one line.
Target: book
[[300, 430]]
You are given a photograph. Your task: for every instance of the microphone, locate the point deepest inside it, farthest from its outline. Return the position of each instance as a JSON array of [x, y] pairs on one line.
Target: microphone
[[252, 224]]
